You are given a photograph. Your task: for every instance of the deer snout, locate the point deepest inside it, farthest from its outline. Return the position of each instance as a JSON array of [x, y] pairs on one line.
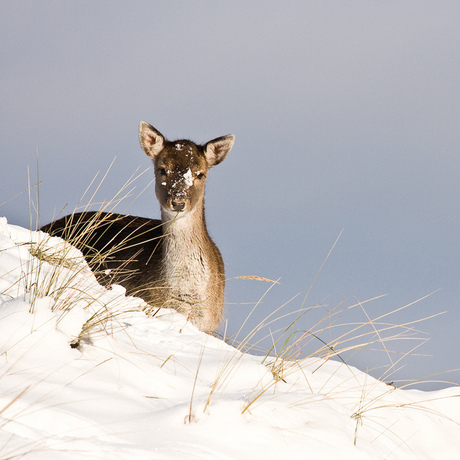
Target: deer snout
[[178, 205]]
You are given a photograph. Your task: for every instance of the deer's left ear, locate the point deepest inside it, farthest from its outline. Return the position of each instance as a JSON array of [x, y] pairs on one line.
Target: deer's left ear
[[217, 149]]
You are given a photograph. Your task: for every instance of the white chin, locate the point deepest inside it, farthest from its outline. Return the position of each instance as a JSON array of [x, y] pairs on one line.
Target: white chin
[[170, 214]]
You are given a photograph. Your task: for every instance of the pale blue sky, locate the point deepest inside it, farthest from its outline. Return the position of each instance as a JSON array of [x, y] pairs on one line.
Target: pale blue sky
[[346, 116]]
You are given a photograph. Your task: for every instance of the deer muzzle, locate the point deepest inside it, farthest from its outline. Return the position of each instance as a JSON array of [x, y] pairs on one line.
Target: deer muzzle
[[178, 205]]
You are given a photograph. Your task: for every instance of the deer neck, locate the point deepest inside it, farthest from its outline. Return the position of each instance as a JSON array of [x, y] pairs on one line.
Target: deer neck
[[184, 227], [185, 244]]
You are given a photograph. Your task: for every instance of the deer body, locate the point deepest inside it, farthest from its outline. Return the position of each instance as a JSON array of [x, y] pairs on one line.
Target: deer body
[[170, 263]]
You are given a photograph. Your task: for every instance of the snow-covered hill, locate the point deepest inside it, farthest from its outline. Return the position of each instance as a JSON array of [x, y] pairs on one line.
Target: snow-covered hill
[[139, 387]]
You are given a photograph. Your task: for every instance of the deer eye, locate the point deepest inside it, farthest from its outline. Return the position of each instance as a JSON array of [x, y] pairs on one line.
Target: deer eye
[[200, 175], [161, 171]]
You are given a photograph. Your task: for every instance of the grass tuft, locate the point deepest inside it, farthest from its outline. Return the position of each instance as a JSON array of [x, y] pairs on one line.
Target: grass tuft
[[59, 270]]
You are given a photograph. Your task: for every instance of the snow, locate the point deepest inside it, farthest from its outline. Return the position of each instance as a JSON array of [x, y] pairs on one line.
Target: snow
[[139, 387], [188, 178]]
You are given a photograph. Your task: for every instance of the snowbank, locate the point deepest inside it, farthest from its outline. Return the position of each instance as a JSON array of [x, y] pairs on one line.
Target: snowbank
[[157, 388]]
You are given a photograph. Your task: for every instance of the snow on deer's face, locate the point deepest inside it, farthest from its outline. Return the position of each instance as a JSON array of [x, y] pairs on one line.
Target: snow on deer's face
[[181, 168], [180, 171]]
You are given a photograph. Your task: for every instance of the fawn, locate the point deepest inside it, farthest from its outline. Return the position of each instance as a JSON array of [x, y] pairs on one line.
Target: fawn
[[172, 262]]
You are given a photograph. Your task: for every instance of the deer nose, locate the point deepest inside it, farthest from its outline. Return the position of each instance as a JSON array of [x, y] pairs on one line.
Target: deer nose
[[178, 205]]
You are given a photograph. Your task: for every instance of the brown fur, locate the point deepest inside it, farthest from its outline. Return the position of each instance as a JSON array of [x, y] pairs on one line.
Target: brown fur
[[170, 262]]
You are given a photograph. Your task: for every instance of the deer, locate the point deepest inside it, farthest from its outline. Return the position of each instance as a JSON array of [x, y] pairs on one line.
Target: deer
[[169, 263]]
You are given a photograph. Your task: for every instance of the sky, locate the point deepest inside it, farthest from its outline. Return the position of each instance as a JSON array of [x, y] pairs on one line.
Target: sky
[[346, 120]]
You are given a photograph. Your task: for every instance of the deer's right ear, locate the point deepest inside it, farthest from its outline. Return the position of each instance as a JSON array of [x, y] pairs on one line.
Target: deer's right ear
[[152, 141]]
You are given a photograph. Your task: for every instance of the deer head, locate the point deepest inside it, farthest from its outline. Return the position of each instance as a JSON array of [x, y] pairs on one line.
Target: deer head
[[181, 168]]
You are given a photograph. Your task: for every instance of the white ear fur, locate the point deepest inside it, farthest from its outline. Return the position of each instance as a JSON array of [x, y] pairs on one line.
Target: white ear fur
[[217, 149], [152, 141]]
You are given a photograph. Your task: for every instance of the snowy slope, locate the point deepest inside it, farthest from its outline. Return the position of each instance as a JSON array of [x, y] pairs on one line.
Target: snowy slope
[[157, 388]]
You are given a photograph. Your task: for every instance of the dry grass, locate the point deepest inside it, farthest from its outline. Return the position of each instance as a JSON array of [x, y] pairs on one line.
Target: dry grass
[[305, 345], [59, 271], [294, 344], [322, 337]]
